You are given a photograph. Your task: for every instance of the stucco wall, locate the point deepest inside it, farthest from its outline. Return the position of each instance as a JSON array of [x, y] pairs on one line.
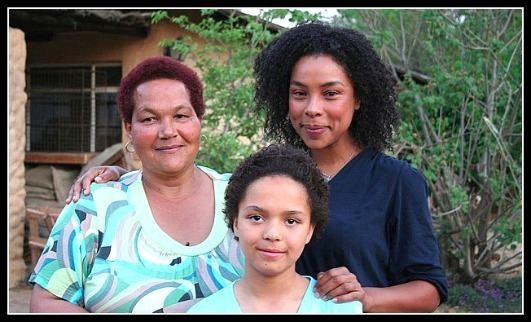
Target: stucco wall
[[17, 140]]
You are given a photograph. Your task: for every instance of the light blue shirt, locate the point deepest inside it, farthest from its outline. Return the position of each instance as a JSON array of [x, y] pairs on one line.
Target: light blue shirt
[[224, 301]]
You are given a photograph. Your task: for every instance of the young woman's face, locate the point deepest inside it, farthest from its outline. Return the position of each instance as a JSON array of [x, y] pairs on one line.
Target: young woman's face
[[165, 130], [321, 101], [273, 225]]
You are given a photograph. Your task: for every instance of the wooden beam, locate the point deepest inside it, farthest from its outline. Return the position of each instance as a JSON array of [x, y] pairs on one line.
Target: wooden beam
[[36, 23], [58, 157]]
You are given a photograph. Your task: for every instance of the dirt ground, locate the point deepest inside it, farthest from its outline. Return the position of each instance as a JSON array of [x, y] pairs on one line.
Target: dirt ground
[[19, 298]]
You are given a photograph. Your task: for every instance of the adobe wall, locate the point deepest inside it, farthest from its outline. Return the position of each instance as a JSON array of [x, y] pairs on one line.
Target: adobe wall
[[17, 142]]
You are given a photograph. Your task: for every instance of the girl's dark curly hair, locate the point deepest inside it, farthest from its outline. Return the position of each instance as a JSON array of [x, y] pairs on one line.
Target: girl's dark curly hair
[[157, 68], [279, 160], [377, 118]]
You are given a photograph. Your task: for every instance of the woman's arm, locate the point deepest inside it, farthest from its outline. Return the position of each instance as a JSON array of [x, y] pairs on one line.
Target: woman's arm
[[43, 301], [99, 174], [340, 285], [414, 296]]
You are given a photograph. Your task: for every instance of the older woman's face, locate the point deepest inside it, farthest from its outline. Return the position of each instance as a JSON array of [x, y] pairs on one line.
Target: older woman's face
[[165, 130]]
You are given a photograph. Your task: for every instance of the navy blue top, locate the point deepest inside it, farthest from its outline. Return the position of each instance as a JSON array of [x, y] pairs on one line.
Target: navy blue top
[[379, 226]]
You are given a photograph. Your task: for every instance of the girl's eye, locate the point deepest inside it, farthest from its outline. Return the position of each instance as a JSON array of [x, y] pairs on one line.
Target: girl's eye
[[255, 218], [148, 119], [291, 221], [180, 116]]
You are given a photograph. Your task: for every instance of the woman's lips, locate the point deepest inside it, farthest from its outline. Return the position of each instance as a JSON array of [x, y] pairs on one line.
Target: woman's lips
[[169, 148], [314, 131]]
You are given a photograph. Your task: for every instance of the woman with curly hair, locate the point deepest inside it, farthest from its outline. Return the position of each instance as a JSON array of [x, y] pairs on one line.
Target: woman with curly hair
[[272, 226], [325, 89]]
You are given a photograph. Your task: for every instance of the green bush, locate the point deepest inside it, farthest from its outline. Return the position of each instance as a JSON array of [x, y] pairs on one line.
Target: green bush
[[460, 99]]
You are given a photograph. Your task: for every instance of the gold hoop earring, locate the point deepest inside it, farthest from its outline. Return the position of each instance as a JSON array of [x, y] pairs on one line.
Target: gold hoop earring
[[129, 147]]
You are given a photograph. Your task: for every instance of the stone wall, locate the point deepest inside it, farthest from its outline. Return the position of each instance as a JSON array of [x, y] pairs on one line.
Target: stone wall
[[17, 142]]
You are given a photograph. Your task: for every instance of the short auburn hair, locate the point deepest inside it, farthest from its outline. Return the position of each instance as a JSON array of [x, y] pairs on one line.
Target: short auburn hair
[[160, 67]]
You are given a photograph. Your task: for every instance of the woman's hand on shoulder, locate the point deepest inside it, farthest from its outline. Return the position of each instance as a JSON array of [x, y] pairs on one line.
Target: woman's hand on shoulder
[[98, 174], [340, 285]]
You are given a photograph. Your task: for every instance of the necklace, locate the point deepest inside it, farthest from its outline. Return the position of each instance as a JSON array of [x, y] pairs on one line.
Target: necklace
[[329, 177]]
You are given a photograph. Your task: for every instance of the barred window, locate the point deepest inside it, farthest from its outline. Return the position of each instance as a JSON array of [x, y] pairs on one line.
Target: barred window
[[72, 109]]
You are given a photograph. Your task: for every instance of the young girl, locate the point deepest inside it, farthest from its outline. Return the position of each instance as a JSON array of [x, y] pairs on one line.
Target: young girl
[[276, 202]]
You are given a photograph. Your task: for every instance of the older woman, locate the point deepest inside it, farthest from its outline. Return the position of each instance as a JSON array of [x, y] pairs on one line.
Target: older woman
[[156, 237]]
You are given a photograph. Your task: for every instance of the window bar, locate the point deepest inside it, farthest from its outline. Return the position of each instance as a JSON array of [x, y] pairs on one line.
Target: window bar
[[93, 109]]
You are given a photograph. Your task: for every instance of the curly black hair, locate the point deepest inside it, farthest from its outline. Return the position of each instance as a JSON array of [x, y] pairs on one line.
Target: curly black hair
[[279, 160], [377, 117], [156, 68]]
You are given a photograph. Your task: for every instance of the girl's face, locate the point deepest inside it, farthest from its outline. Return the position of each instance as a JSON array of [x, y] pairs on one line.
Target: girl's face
[[321, 102], [164, 130], [273, 225]]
